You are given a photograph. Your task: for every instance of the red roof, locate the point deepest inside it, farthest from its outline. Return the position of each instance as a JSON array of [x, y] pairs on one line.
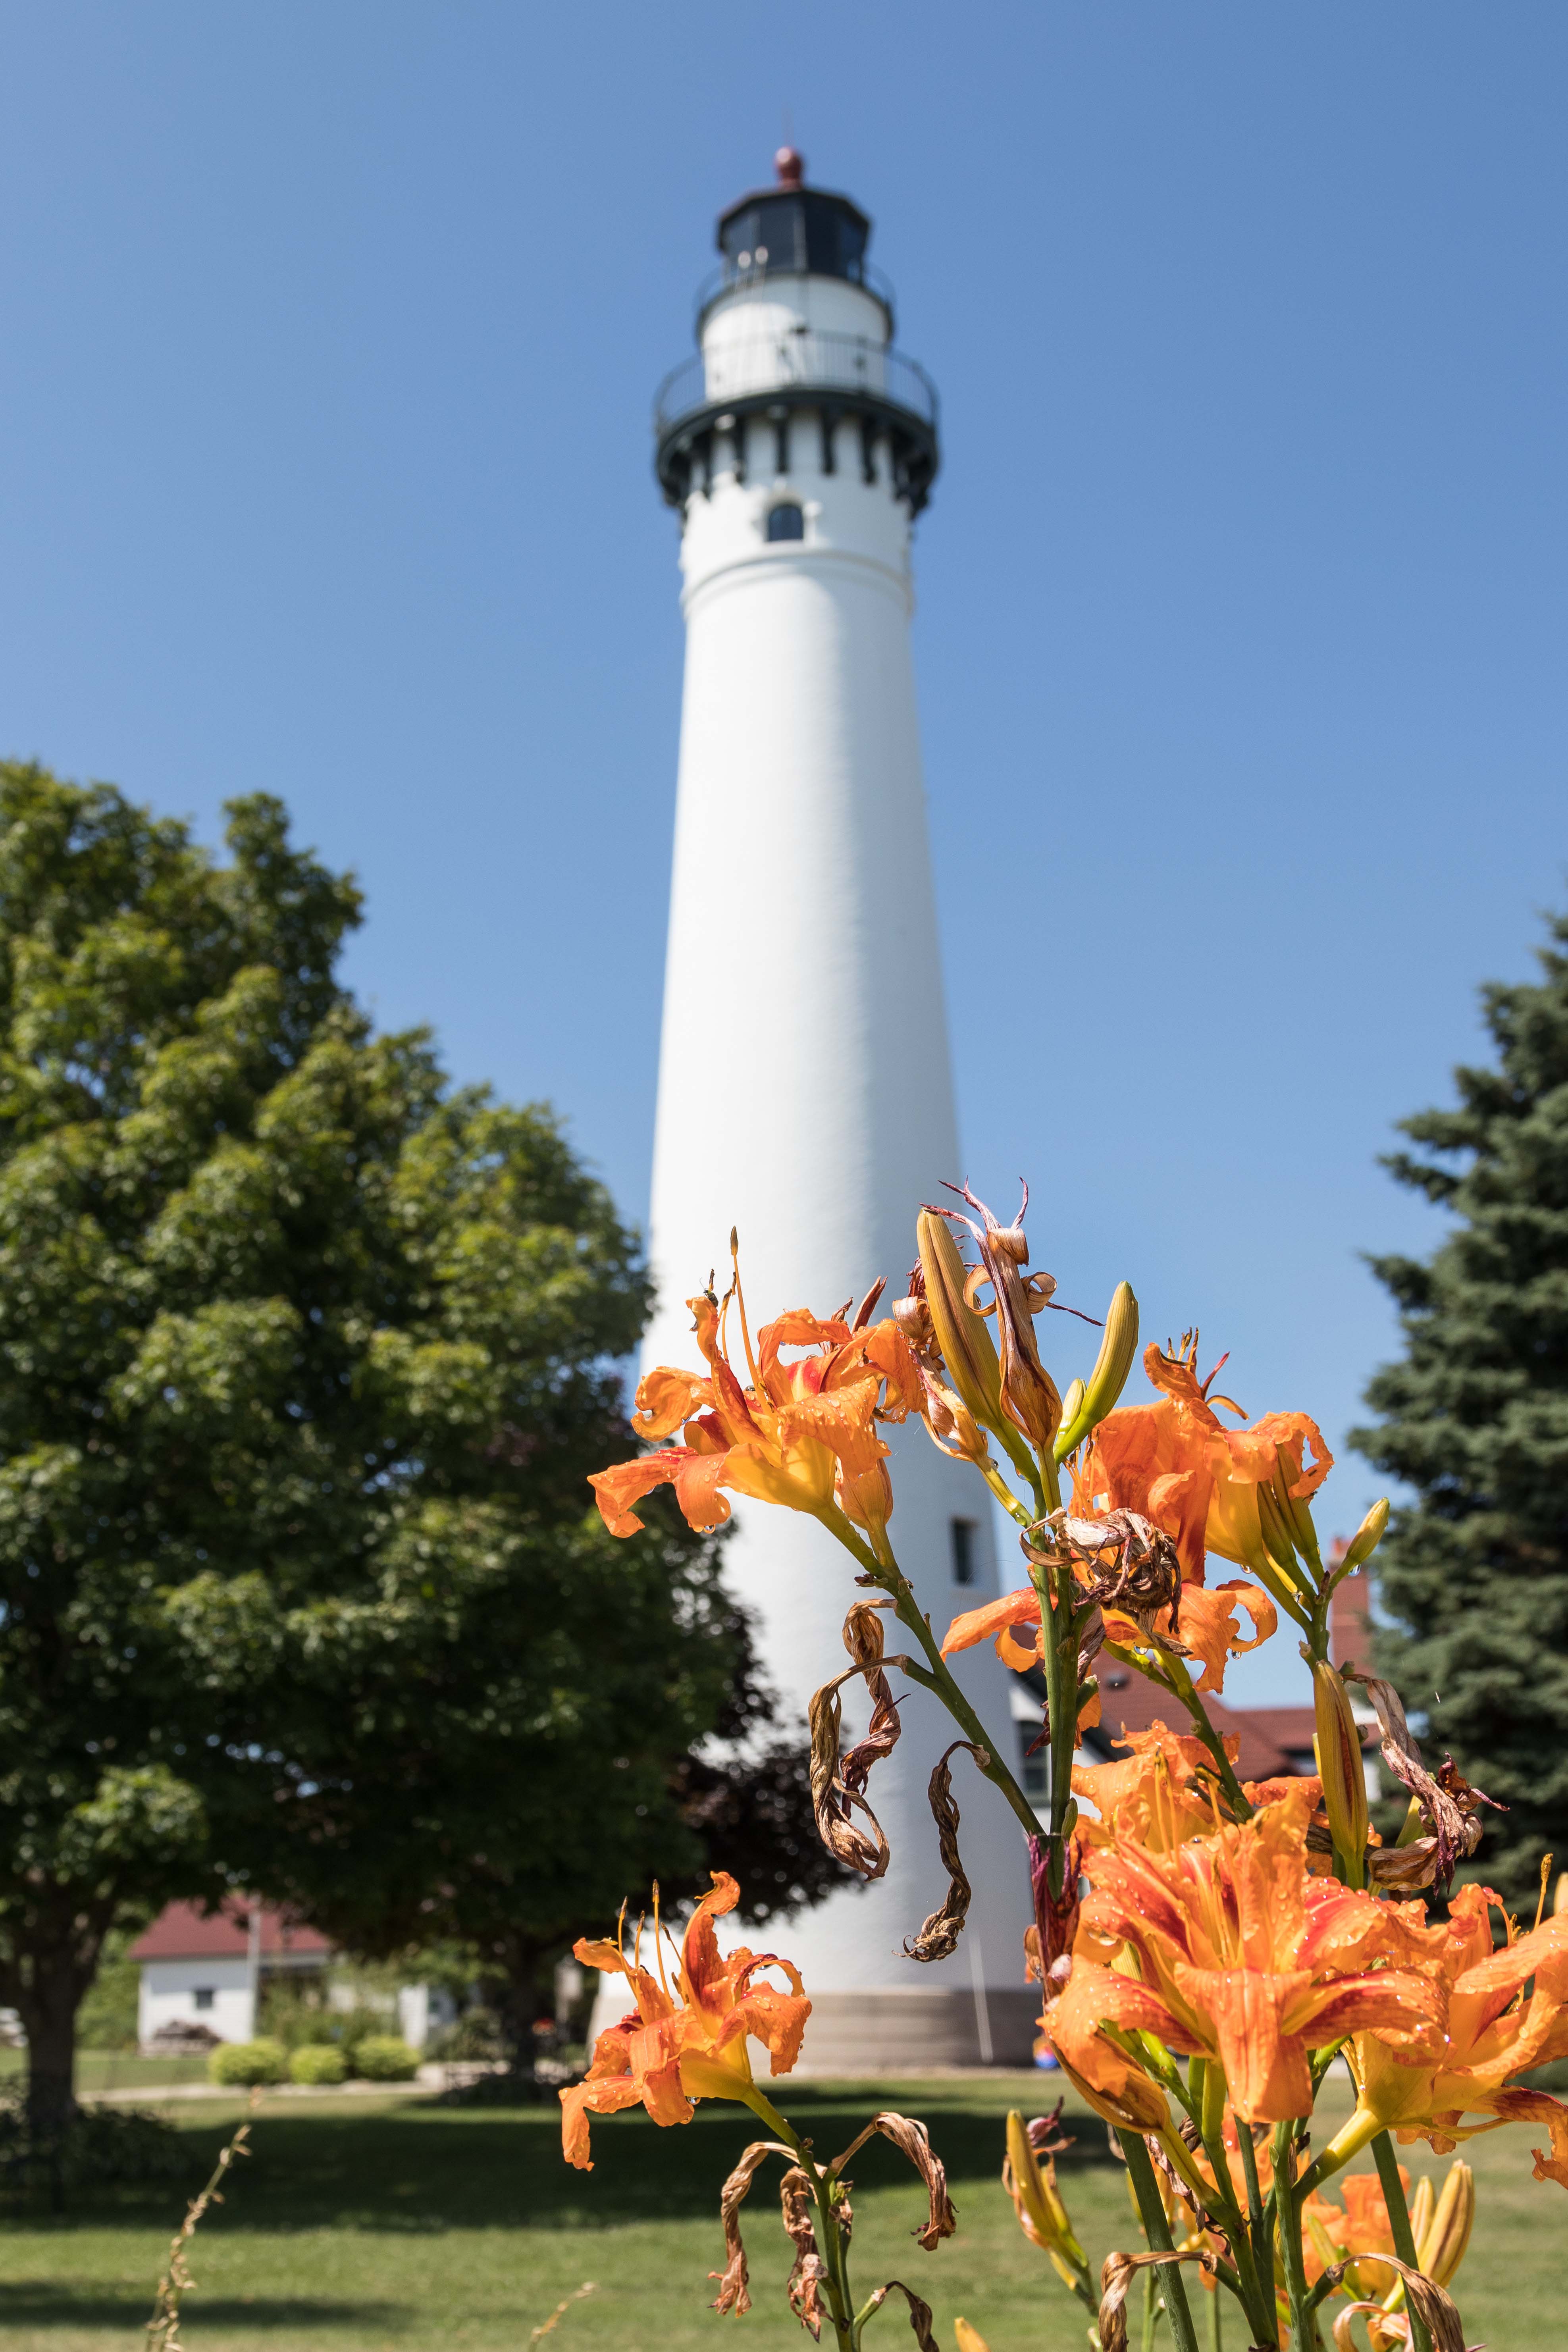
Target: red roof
[[185, 1933], [1274, 1741]]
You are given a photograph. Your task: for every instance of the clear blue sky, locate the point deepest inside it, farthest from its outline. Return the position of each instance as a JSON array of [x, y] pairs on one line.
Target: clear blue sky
[[328, 338]]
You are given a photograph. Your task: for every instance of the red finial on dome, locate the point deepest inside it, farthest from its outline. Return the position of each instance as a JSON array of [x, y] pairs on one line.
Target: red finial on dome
[[790, 165]]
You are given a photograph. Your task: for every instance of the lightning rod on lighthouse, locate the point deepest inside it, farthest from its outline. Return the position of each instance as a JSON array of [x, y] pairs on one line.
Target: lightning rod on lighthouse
[[806, 1087]]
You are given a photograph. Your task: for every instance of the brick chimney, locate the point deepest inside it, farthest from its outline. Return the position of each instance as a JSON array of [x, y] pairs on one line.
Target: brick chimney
[[1350, 1614]]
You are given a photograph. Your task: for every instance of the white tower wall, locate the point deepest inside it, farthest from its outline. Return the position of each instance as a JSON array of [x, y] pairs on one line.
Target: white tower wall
[[805, 1096]]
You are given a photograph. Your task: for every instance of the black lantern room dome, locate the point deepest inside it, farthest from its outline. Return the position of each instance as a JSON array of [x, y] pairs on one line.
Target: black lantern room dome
[[791, 227]]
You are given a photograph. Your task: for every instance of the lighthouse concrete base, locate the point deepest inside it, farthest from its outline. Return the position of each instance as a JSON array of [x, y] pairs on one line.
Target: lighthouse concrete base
[[930, 2025], [895, 2031]]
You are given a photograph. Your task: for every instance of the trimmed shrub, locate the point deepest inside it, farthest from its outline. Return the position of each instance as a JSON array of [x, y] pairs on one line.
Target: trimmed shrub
[[317, 2062], [383, 2058], [248, 2061]]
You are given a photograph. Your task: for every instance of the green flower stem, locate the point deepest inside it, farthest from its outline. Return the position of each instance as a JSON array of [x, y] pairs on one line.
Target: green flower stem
[[1061, 1641], [1245, 2284], [1258, 2219], [1006, 1496], [1173, 1675], [1304, 2336], [881, 1569], [1403, 2235], [1157, 2230], [938, 1676]]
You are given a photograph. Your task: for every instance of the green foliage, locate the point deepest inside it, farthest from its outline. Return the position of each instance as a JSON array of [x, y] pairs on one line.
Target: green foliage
[[303, 1360], [476, 2035], [317, 2062], [107, 2019], [1474, 1418], [384, 2058], [262, 2060]]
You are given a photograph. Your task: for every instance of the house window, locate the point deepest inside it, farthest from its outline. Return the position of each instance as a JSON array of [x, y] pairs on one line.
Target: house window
[[963, 1535], [1032, 1770], [204, 1996], [786, 522]]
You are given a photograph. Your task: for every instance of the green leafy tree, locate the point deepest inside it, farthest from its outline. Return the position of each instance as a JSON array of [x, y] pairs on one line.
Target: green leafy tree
[[540, 1699], [303, 1356], [1474, 1418]]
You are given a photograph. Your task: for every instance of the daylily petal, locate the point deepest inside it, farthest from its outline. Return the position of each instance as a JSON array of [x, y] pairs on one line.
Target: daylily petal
[[665, 1397], [1020, 1608], [627, 1482], [1208, 1623]]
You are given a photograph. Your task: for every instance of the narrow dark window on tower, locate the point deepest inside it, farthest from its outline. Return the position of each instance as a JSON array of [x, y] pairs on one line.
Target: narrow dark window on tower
[[963, 1535], [786, 522]]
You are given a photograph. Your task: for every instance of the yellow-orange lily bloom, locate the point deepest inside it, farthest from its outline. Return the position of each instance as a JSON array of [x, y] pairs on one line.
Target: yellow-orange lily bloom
[[1494, 2033], [668, 2050], [1177, 1464], [1158, 1798], [1206, 1625], [802, 1433], [1243, 1957]]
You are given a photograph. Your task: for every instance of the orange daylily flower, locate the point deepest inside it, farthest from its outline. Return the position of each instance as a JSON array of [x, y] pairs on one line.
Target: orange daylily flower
[[801, 1433], [1495, 2031], [1359, 2226], [1158, 1798], [669, 2051], [1206, 1625], [1177, 1464], [1242, 1956]]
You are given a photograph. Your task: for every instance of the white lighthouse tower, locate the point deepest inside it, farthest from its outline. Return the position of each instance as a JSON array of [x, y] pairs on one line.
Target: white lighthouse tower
[[806, 1092]]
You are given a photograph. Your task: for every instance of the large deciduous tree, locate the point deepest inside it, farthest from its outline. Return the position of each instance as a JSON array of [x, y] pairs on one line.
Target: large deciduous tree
[[1474, 1418], [303, 1356]]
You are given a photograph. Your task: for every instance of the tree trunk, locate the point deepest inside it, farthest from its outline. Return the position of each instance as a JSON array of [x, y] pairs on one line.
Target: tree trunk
[[48, 2008], [521, 1996]]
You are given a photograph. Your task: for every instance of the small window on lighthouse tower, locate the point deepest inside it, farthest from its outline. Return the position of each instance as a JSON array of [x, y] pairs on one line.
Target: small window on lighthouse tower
[[786, 522], [963, 1534]]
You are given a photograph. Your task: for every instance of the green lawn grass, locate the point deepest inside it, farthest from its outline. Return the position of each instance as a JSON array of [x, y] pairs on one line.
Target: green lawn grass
[[405, 2224]]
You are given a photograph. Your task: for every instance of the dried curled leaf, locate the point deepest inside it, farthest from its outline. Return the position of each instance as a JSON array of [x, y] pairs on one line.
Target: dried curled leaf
[[1123, 1560], [940, 1934], [920, 2312], [733, 2291], [804, 2285], [910, 2134], [838, 1785], [1429, 2302], [1449, 1806], [1117, 2275]]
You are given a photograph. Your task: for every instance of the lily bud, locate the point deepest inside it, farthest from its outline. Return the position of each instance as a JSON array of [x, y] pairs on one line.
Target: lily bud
[[1366, 1539], [967, 1348], [1339, 1767], [1118, 1345], [1141, 2105], [970, 2339], [1033, 2191], [1037, 2199], [1442, 2249], [1072, 1405]]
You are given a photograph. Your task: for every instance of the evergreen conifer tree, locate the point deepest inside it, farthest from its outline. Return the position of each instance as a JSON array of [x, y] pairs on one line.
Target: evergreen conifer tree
[[1474, 1417]]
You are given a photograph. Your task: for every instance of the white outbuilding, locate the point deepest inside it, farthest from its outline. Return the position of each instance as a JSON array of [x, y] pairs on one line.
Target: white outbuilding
[[204, 1969]]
